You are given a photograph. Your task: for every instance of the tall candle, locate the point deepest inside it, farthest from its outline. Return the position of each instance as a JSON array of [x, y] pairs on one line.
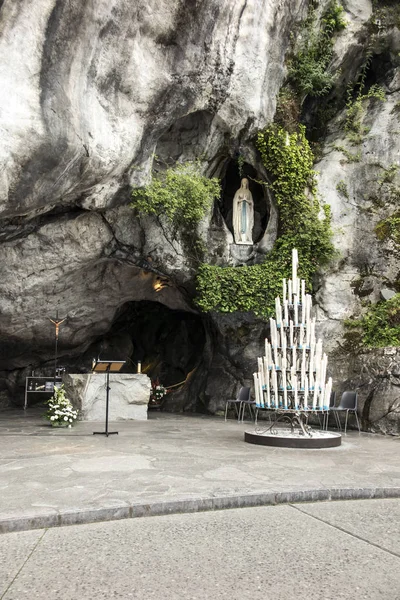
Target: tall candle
[[314, 403], [301, 336], [303, 298], [291, 342], [284, 388], [267, 382], [328, 394], [290, 292], [303, 367], [284, 290], [284, 352], [278, 311], [308, 308], [296, 309], [312, 332], [261, 388], [271, 329], [285, 306], [260, 370], [256, 389], [306, 392], [283, 337], [294, 269], [275, 386]]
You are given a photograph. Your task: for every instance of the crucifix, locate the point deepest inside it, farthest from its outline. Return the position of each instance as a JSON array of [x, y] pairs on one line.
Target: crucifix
[[57, 322]]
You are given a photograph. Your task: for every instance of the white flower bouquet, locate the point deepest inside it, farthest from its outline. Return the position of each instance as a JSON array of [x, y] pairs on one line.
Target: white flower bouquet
[[61, 412]]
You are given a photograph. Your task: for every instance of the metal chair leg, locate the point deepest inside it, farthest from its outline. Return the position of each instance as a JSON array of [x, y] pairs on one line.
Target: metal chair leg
[[358, 422], [337, 418], [226, 409], [345, 424]]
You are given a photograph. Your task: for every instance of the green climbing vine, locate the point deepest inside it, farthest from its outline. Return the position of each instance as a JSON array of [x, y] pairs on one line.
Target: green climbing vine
[[308, 69], [180, 193], [379, 327], [289, 160], [389, 229]]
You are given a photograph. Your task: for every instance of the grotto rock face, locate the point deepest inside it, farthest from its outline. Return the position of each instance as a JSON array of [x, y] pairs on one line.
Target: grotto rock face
[[90, 92]]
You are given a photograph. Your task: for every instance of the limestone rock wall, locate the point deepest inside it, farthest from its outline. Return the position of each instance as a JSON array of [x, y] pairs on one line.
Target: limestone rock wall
[[89, 92]]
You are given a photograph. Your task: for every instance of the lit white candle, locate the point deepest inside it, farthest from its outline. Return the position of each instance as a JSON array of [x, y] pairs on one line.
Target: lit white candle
[[266, 370], [285, 305], [271, 329], [308, 308], [295, 261], [291, 337], [328, 394], [290, 292], [256, 389], [284, 388], [283, 337], [275, 387], [312, 332], [292, 377], [315, 395], [296, 309], [306, 392], [294, 357], [270, 361], [284, 352], [261, 388], [278, 311], [260, 370], [303, 367], [301, 336]]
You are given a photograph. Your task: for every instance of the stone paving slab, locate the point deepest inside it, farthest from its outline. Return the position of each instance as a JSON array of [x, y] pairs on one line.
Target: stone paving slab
[[172, 463], [260, 553]]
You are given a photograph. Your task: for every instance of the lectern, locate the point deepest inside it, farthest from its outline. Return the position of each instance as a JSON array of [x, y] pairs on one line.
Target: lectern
[[107, 366]]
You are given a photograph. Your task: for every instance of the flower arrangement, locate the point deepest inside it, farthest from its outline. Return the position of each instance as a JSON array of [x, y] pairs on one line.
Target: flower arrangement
[[157, 393], [61, 412]]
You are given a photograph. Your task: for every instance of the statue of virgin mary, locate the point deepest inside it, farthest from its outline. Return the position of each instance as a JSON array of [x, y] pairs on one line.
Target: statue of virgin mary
[[243, 214]]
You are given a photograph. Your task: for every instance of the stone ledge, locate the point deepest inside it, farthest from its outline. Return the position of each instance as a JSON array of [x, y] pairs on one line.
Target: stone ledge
[[201, 504]]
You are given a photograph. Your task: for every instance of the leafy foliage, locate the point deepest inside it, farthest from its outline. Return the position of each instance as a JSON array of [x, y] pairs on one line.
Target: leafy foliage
[[308, 72], [389, 229], [355, 110], [181, 193], [380, 326], [289, 159]]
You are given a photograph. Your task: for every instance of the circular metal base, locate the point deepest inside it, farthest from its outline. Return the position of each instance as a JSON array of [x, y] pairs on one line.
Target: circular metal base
[[285, 438]]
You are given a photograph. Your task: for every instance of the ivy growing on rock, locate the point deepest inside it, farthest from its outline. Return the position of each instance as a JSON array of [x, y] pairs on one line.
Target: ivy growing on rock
[[289, 160], [308, 69], [379, 327], [181, 193]]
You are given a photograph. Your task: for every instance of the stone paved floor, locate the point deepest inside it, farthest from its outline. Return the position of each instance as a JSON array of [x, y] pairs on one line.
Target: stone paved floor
[[324, 551], [169, 458]]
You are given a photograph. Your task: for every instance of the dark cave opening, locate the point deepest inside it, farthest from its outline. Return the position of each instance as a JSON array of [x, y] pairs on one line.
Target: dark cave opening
[[231, 183], [169, 343]]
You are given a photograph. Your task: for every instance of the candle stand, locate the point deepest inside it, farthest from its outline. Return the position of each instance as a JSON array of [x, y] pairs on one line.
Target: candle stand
[[299, 434], [291, 381]]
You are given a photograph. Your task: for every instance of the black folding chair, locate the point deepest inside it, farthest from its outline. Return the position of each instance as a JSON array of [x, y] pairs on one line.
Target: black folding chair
[[243, 395], [347, 404]]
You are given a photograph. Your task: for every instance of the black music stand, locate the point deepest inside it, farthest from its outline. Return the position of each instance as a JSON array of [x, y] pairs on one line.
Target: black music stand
[[107, 366]]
